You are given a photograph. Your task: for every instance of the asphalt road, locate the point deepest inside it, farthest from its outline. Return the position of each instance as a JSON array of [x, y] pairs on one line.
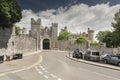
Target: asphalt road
[[55, 66]]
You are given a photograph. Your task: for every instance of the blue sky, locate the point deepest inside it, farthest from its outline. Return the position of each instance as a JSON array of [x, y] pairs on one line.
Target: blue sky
[[77, 15], [39, 5]]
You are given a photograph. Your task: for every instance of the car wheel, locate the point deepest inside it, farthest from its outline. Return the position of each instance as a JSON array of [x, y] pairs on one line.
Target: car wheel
[[119, 64]]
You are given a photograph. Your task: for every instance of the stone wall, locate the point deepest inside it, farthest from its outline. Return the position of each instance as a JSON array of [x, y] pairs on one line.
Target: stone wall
[[24, 44], [9, 43], [5, 35], [65, 45]]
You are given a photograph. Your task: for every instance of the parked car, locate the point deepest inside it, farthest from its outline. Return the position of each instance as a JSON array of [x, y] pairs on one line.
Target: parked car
[[92, 55], [18, 56], [111, 59], [77, 54]]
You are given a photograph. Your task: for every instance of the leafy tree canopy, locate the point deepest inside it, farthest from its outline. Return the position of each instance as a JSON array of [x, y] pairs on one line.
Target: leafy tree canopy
[[64, 36], [81, 40], [17, 30], [116, 24], [96, 44], [10, 13], [101, 35]]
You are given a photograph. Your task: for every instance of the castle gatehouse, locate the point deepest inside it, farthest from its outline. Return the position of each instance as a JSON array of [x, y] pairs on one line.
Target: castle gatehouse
[[46, 37]]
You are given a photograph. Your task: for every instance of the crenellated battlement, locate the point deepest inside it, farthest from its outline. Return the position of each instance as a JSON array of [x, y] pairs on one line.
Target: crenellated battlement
[[37, 22], [54, 24]]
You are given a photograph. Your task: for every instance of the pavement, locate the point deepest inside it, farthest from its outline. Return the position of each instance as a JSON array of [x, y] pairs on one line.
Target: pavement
[[95, 63], [28, 61]]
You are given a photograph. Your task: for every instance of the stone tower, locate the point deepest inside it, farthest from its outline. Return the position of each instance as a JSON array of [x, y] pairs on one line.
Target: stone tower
[[35, 27], [46, 37], [90, 35], [54, 32]]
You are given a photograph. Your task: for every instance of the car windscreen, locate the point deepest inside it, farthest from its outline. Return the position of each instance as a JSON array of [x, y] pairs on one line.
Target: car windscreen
[[95, 53]]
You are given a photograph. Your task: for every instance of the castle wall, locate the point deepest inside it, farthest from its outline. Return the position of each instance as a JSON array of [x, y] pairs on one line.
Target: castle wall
[[9, 43], [24, 44], [5, 35], [65, 45]]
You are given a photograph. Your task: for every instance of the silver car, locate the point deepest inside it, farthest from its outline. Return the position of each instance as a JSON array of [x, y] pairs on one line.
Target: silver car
[[92, 55], [112, 59]]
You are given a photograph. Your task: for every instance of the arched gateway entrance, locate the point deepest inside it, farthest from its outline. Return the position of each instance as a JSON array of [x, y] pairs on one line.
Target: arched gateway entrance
[[46, 44]]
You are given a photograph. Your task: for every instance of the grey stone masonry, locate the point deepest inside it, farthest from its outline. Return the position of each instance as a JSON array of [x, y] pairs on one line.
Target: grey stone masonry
[[5, 35]]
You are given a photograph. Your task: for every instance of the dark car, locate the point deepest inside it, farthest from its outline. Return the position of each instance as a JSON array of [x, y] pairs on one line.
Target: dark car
[[77, 55], [18, 56], [111, 59], [92, 55]]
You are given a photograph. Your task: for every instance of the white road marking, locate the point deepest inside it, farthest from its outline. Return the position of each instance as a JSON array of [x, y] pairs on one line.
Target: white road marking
[[40, 72], [46, 71], [43, 69], [37, 68], [46, 76], [59, 79], [40, 66], [53, 75]]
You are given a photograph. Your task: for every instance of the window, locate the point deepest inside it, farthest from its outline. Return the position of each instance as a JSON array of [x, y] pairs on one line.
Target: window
[[95, 53]]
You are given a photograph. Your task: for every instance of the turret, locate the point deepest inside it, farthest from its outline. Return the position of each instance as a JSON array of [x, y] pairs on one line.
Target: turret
[[90, 35], [35, 27], [54, 30]]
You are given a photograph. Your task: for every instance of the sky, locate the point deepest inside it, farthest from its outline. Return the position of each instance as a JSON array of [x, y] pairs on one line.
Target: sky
[[77, 15]]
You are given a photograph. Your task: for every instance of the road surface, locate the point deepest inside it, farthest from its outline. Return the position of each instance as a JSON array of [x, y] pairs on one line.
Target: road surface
[[55, 66]]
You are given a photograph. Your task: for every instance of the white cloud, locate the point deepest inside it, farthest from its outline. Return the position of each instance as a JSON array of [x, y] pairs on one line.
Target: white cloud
[[77, 17]]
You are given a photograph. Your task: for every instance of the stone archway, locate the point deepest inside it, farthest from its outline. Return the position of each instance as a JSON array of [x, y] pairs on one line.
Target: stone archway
[[46, 44]]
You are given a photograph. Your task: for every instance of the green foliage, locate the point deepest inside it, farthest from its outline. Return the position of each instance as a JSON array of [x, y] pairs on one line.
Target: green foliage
[[116, 26], [96, 44], [10, 13], [108, 39], [64, 36], [17, 30], [101, 35], [105, 37], [81, 40]]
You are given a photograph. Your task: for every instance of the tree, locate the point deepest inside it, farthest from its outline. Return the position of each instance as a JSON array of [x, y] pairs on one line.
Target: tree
[[96, 44], [64, 36], [108, 39], [17, 30], [81, 40], [10, 13], [116, 26], [105, 37], [101, 35]]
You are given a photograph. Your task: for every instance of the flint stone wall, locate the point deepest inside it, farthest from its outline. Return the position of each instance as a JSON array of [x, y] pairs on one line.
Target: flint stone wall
[[9, 43]]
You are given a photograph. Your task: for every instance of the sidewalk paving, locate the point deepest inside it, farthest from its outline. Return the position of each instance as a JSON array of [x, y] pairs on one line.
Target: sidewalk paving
[[95, 63], [19, 64]]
